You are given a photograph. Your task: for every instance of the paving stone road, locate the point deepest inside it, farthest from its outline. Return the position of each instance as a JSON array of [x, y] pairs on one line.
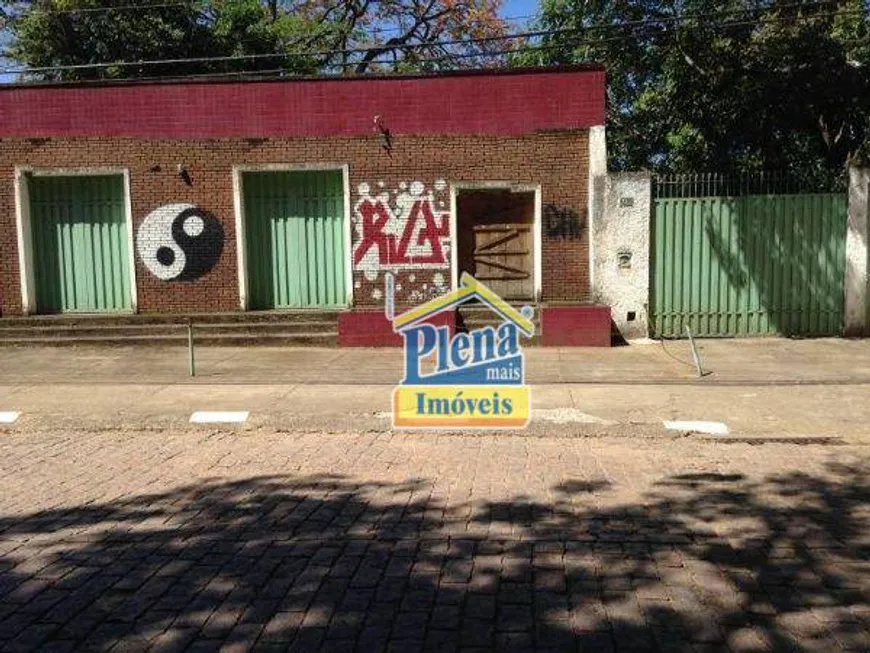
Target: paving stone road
[[205, 540]]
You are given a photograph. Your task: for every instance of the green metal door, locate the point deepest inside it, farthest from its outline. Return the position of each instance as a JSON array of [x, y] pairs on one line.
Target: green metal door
[[80, 245], [749, 265], [295, 241]]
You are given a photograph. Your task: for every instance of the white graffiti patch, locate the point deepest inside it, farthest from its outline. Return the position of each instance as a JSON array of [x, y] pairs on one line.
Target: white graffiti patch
[[402, 229]]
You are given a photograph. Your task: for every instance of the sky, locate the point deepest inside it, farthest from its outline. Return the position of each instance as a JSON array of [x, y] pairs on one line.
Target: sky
[[518, 7]]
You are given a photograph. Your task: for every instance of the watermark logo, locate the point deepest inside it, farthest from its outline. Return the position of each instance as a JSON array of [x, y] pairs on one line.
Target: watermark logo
[[461, 380]]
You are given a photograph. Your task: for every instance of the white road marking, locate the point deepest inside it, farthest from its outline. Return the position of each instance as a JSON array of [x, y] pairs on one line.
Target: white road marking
[[689, 426], [9, 416], [219, 417], [567, 416]]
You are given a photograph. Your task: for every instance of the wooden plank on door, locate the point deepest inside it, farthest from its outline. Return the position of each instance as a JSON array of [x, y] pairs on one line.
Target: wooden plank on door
[[503, 259]]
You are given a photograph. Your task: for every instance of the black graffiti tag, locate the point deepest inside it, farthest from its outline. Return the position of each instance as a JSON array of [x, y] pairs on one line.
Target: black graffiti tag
[[562, 222]]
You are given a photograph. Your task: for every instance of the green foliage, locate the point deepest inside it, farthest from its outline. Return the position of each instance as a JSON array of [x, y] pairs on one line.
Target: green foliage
[[310, 36], [47, 33], [728, 86]]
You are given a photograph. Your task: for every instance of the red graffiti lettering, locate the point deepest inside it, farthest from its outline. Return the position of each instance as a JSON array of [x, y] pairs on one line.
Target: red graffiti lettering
[[430, 233], [375, 218], [429, 229]]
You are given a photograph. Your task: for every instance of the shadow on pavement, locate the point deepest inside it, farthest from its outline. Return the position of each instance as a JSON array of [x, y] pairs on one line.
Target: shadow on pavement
[[704, 561]]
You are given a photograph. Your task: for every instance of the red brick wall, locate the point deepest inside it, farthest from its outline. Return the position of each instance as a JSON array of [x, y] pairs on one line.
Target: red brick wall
[[555, 160]]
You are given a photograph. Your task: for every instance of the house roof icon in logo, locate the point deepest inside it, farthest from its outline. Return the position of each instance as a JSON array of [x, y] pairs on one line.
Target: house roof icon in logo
[[469, 289]]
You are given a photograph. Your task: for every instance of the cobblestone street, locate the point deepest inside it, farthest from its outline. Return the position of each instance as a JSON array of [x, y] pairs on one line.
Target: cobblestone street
[[222, 540]]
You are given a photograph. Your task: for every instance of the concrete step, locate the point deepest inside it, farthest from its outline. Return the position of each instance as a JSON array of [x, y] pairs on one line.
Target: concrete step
[[470, 317], [259, 329], [248, 317], [525, 342], [489, 319], [474, 311], [221, 340], [468, 328], [291, 328], [483, 308]]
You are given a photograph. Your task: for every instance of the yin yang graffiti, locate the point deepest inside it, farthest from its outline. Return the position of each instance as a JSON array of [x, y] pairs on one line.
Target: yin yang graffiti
[[180, 242]]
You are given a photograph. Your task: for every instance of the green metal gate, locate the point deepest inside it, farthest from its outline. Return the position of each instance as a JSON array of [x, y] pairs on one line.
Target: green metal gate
[[295, 239], [748, 264], [80, 244]]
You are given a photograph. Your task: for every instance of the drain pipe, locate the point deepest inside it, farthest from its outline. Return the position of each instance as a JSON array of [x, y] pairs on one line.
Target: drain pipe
[[190, 357], [390, 296]]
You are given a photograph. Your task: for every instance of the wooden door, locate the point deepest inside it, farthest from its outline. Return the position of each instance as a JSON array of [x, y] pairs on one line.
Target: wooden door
[[497, 242]]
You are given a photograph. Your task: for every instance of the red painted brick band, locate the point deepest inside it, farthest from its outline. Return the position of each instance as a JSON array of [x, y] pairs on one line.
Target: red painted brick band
[[480, 104]]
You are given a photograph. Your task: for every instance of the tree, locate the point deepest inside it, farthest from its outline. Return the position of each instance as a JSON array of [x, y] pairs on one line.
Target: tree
[[48, 34], [307, 36], [743, 85], [406, 34]]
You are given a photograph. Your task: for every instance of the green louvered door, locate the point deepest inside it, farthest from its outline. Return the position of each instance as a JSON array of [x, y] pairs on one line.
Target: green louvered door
[[80, 247], [294, 227]]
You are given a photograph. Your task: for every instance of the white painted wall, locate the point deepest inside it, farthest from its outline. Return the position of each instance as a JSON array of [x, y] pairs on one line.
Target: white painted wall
[[597, 174], [857, 308], [621, 251]]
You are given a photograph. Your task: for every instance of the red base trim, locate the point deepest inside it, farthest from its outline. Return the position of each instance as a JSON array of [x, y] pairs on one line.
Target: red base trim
[[370, 328], [575, 326]]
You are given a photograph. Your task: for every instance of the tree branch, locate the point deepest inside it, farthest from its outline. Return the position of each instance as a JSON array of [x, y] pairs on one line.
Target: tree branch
[[394, 43]]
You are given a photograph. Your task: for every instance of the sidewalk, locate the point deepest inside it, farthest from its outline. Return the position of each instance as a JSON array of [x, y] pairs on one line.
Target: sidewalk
[[760, 388], [729, 362]]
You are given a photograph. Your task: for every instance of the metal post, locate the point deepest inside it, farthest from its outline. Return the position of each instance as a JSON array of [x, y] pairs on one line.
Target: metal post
[[695, 356], [191, 360]]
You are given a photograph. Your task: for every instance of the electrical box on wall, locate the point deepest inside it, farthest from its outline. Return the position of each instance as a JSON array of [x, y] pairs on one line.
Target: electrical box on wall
[[623, 259]]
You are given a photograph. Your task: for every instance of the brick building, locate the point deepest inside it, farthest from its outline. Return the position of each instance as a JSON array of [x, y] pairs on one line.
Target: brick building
[[240, 196]]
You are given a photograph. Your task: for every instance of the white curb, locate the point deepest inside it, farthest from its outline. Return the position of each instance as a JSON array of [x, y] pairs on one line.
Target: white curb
[[219, 417]]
